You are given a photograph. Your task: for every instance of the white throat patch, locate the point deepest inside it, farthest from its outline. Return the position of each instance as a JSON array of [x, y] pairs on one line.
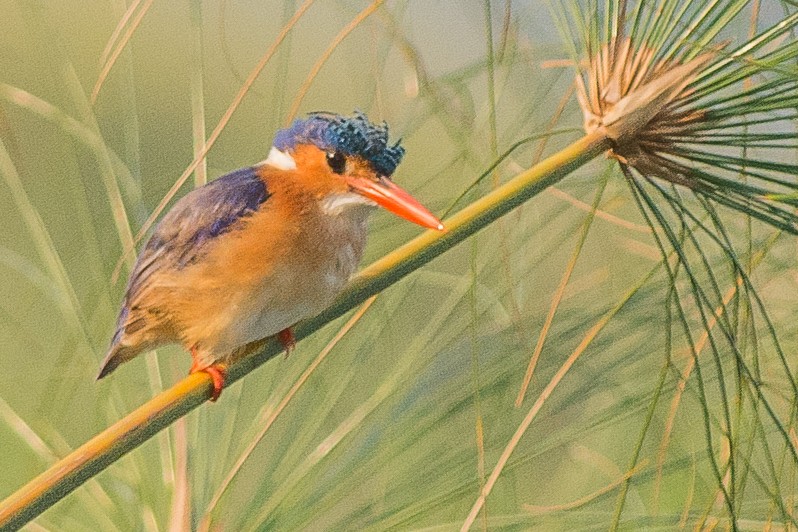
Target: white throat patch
[[280, 160], [337, 203]]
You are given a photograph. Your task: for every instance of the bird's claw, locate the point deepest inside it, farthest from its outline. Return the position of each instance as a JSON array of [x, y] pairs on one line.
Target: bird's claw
[[217, 373], [286, 338]]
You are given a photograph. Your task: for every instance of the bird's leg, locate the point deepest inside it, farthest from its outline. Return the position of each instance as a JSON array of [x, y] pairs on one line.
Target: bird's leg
[[286, 337], [217, 372]]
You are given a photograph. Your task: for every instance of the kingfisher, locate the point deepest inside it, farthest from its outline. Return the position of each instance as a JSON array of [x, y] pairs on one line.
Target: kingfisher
[[253, 252]]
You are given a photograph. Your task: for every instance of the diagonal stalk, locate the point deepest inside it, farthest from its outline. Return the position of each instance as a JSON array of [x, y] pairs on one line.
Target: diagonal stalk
[[160, 411]]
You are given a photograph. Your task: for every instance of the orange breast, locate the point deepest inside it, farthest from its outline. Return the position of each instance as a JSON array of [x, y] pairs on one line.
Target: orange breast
[[288, 262]]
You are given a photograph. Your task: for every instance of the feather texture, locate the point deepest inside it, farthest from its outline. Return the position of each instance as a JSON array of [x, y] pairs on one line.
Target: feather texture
[[181, 238], [250, 254], [353, 135]]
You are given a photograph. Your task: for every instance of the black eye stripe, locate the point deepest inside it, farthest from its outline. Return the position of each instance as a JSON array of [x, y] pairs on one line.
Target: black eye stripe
[[337, 162]]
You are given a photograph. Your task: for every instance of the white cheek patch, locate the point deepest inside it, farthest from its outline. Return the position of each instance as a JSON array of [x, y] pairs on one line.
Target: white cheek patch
[[337, 203], [280, 160]]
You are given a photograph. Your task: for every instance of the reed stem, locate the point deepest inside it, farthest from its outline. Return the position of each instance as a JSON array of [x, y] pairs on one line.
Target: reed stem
[[159, 412]]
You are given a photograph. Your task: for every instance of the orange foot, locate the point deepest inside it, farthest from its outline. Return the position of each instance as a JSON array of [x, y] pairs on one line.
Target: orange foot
[[286, 337], [217, 372]]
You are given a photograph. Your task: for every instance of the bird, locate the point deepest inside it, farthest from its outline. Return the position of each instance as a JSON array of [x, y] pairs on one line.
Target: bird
[[249, 254]]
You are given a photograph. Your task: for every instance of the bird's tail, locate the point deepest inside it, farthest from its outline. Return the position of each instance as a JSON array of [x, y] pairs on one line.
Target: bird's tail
[[118, 353], [129, 340]]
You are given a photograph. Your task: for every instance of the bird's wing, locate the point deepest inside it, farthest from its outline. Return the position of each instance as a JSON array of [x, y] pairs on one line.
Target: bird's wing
[[181, 237], [202, 215]]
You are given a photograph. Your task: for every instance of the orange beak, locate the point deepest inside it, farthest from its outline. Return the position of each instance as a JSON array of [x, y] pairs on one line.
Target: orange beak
[[392, 197]]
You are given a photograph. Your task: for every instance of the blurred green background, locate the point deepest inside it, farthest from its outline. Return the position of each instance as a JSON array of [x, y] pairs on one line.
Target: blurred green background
[[402, 422]]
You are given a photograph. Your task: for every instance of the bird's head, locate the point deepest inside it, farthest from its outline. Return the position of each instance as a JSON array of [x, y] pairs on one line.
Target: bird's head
[[347, 161]]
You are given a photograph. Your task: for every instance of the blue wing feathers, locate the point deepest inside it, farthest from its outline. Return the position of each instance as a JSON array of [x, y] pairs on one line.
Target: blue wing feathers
[[217, 206], [179, 239], [200, 216], [206, 213]]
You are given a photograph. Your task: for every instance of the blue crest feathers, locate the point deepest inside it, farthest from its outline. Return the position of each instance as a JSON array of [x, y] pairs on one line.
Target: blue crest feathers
[[353, 135]]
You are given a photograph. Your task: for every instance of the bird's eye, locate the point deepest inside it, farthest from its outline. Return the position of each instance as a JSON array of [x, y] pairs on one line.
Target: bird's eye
[[337, 162]]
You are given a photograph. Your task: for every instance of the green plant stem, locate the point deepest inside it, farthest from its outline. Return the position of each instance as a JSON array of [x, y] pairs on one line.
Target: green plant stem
[[160, 411]]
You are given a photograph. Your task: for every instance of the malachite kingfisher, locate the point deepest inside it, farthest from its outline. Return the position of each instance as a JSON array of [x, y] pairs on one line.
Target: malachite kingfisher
[[251, 253]]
